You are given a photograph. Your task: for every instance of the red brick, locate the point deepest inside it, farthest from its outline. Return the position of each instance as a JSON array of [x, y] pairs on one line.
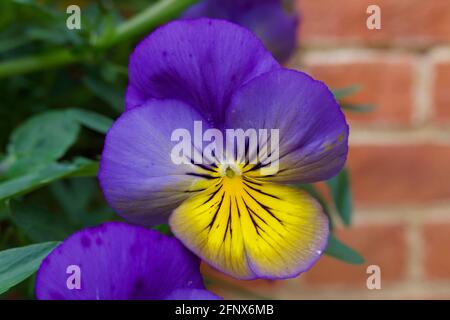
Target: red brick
[[386, 84], [400, 174], [436, 258], [441, 92], [402, 21], [382, 245]]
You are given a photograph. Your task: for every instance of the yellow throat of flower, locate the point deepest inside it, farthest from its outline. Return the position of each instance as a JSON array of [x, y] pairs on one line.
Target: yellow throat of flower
[[249, 227]]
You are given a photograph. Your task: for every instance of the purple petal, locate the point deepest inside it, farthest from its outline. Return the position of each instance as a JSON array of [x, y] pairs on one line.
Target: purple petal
[[313, 131], [137, 175], [275, 26], [276, 29], [211, 9], [192, 294], [200, 62], [117, 261], [229, 10]]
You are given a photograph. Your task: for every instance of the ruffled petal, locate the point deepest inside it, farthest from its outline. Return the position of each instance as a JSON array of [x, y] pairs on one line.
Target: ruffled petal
[[313, 133], [200, 62], [117, 261], [252, 230], [137, 174]]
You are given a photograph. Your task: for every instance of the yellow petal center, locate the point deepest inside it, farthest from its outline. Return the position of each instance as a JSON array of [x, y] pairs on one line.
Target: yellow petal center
[[250, 228]]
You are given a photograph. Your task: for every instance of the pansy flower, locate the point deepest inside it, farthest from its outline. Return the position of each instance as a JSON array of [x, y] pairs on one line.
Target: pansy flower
[[117, 261], [273, 21], [249, 223]]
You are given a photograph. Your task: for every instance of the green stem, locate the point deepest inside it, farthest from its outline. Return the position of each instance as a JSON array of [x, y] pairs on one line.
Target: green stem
[[37, 62], [151, 17]]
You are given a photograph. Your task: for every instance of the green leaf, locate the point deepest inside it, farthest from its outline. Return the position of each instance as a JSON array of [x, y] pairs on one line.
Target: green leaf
[[341, 251], [342, 196], [74, 195], [163, 228], [106, 92], [84, 168], [40, 225], [9, 44], [39, 178], [55, 36], [342, 93], [4, 210], [358, 108], [318, 196], [19, 263], [77, 199], [42, 139], [346, 91], [92, 120]]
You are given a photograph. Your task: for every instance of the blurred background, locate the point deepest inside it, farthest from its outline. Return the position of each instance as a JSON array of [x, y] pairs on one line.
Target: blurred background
[[399, 159]]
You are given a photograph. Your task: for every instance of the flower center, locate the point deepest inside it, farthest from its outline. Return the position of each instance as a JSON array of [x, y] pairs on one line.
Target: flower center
[[230, 170]]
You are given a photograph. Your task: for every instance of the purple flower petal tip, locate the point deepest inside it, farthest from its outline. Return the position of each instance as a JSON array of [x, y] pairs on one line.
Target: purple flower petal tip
[[199, 62], [274, 24]]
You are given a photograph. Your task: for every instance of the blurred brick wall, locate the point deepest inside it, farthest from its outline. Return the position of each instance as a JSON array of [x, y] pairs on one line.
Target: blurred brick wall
[[399, 155]]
